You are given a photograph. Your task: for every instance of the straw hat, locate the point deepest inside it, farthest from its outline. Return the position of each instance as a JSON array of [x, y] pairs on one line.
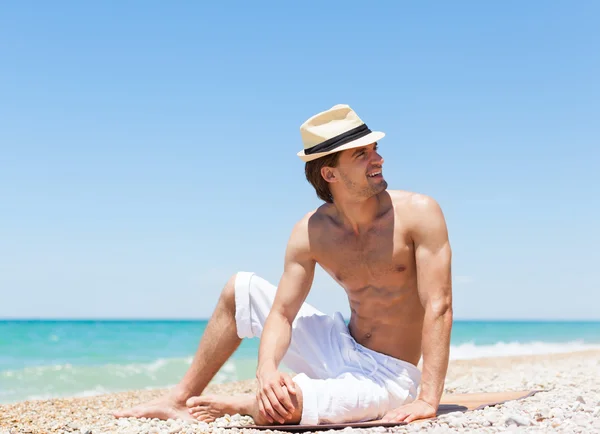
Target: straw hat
[[334, 130]]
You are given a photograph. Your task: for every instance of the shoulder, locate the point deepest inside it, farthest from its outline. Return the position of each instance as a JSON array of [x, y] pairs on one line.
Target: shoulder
[[313, 222], [421, 213], [311, 219], [308, 228], [415, 204]]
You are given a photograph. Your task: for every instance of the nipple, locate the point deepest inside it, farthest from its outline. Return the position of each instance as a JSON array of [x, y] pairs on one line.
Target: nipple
[[367, 336]]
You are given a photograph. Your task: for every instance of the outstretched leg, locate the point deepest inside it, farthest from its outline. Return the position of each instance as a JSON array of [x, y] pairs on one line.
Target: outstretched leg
[[218, 343]]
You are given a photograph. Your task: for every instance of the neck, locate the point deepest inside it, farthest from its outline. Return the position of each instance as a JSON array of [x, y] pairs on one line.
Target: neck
[[358, 215]]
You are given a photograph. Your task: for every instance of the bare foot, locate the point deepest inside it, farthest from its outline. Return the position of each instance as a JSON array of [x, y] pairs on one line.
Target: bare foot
[[206, 408], [164, 408]]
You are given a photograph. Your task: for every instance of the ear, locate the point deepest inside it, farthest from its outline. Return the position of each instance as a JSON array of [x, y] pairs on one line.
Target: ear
[[328, 174]]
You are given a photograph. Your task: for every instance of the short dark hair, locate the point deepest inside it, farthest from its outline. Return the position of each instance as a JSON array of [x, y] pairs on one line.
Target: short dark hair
[[312, 169]]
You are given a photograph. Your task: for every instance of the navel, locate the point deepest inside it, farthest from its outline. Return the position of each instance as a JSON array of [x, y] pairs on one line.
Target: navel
[[400, 268]]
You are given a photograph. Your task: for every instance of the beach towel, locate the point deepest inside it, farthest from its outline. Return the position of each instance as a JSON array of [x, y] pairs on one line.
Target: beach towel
[[450, 403]]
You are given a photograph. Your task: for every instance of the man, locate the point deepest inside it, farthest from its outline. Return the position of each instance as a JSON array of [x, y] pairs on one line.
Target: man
[[389, 250]]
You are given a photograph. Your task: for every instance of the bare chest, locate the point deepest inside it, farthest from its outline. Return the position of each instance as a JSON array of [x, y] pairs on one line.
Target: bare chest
[[383, 257]]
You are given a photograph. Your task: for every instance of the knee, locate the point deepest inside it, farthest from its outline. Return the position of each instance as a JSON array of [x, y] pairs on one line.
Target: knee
[[296, 399], [297, 402], [228, 292]]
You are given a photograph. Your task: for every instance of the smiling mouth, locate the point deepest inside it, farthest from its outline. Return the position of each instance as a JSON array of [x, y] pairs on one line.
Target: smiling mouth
[[374, 174]]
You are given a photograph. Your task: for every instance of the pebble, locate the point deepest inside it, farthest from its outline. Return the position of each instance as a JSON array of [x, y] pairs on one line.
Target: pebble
[[492, 417], [174, 428], [517, 420], [567, 404], [455, 423]]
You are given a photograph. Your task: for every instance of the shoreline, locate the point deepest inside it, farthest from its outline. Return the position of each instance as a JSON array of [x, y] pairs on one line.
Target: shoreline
[[569, 385]]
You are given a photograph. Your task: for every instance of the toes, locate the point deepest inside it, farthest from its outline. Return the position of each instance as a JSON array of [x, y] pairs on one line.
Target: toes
[[125, 413], [195, 401], [202, 416], [192, 402]]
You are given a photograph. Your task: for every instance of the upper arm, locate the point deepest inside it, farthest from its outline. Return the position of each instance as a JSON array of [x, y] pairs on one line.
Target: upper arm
[[298, 273], [433, 255]]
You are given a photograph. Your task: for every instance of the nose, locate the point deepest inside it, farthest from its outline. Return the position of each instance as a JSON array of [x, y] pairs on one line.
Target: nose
[[376, 158]]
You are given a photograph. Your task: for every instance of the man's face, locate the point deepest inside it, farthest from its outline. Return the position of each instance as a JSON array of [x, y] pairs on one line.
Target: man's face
[[360, 171]]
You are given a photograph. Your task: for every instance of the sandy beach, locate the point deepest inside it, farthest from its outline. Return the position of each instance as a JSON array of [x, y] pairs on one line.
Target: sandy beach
[[569, 402]]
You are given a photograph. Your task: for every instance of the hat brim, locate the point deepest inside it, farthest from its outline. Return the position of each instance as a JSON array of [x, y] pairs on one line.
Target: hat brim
[[363, 141]]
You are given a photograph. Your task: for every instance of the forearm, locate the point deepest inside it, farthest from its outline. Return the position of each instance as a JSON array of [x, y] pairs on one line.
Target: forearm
[[437, 326], [274, 341]]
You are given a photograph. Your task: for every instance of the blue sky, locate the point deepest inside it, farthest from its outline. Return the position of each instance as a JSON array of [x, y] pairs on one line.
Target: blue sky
[[148, 149]]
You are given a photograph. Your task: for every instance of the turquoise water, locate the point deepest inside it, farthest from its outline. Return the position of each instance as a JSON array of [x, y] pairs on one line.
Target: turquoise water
[[42, 359]]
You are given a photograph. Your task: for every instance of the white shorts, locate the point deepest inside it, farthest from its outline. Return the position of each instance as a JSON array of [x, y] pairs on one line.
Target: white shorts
[[341, 380]]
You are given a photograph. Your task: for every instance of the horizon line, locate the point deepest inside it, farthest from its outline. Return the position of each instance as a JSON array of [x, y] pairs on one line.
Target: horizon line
[[186, 319]]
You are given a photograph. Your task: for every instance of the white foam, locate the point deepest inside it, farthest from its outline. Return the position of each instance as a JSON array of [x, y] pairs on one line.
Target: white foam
[[67, 380], [96, 391], [471, 351], [44, 382]]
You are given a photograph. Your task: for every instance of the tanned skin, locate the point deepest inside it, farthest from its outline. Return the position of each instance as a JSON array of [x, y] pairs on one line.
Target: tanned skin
[[390, 252]]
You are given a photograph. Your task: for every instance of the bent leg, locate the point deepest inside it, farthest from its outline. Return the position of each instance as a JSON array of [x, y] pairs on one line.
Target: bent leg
[[333, 384], [314, 346], [348, 398]]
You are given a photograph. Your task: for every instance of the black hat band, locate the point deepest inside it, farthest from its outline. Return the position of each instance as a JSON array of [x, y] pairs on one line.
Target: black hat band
[[337, 141]]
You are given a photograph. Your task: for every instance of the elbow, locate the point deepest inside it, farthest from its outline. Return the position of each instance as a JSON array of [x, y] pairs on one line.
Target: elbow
[[280, 317], [441, 308]]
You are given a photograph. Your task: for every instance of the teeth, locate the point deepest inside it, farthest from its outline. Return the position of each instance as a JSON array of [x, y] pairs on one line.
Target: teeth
[[375, 174]]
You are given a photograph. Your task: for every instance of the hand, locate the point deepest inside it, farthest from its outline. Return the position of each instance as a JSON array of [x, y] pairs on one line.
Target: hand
[[273, 395], [417, 409]]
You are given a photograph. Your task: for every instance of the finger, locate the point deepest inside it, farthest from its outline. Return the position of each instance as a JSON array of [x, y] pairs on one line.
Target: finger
[[390, 417], [279, 413], [411, 417], [268, 401], [284, 398], [415, 416], [401, 416], [263, 410], [289, 383], [273, 414]]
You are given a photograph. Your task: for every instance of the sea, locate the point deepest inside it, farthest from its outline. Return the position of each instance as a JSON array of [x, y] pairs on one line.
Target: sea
[[42, 359]]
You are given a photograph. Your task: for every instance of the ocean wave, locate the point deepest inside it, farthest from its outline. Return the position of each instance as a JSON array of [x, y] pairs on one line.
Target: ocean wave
[[470, 350], [67, 380], [151, 369]]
